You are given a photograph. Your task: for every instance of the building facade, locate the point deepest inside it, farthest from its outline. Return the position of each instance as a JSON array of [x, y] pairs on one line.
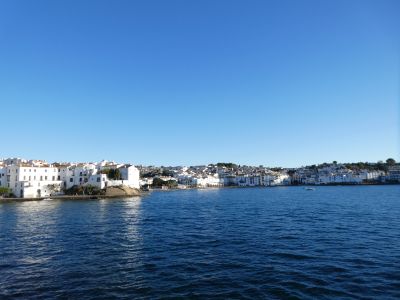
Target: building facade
[[28, 180]]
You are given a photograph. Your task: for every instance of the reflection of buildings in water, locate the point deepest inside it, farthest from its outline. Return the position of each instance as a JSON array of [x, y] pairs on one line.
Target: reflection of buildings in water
[[128, 236], [122, 213], [34, 215], [131, 217], [35, 225], [46, 229]]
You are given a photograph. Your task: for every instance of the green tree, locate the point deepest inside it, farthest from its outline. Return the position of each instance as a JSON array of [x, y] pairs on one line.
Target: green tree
[[227, 165], [167, 173], [92, 190], [113, 174], [172, 184], [390, 162], [158, 182], [53, 188]]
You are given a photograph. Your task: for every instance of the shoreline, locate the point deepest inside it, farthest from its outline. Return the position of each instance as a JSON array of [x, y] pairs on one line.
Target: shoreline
[[273, 186], [147, 192], [69, 197]]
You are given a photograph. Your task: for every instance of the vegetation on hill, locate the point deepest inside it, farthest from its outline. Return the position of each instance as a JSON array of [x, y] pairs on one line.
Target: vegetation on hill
[[227, 165], [378, 166], [390, 162]]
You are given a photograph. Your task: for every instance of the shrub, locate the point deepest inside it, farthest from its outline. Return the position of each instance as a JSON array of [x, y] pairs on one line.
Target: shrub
[[4, 191], [84, 190]]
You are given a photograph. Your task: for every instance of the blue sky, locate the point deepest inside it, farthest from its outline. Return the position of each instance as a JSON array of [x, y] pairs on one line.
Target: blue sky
[[278, 83]]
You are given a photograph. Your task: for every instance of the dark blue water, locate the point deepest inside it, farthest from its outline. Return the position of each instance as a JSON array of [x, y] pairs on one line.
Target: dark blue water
[[335, 242]]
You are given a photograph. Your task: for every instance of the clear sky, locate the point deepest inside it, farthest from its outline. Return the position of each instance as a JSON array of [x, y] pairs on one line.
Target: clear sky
[[278, 83]]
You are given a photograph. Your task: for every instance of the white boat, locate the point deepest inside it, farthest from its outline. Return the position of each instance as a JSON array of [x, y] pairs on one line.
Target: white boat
[[309, 189]]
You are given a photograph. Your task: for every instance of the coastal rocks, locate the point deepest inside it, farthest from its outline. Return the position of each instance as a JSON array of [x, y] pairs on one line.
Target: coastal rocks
[[121, 191]]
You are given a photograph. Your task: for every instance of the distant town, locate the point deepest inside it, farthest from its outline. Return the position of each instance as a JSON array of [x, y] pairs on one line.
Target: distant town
[[21, 178]]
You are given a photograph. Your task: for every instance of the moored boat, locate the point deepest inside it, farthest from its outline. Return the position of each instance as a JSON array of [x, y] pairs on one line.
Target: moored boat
[[309, 189]]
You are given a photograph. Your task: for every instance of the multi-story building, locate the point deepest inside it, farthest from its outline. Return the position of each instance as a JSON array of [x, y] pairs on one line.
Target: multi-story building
[[29, 180], [394, 173]]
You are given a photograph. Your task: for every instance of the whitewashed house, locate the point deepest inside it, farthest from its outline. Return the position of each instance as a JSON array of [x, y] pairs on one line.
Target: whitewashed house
[[129, 177], [39, 180], [394, 173], [3, 181], [77, 175], [248, 180], [32, 182]]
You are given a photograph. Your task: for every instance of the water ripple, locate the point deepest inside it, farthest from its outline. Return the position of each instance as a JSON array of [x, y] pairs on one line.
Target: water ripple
[[282, 243]]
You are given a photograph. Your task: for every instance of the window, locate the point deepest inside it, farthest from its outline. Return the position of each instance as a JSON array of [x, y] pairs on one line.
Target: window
[[71, 180], [54, 178], [58, 177], [24, 177], [80, 179], [98, 179], [45, 177], [41, 178]]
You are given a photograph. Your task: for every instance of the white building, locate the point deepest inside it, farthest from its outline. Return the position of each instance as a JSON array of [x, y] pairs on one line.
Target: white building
[[248, 180], [200, 180], [32, 182], [394, 173], [77, 175], [3, 179], [37, 180]]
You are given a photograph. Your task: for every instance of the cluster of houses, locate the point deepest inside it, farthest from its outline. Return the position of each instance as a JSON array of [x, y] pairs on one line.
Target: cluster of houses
[[248, 176], [336, 174], [215, 176], [38, 179]]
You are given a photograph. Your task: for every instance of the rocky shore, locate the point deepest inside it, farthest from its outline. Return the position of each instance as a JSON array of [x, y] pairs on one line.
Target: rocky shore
[[110, 192]]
